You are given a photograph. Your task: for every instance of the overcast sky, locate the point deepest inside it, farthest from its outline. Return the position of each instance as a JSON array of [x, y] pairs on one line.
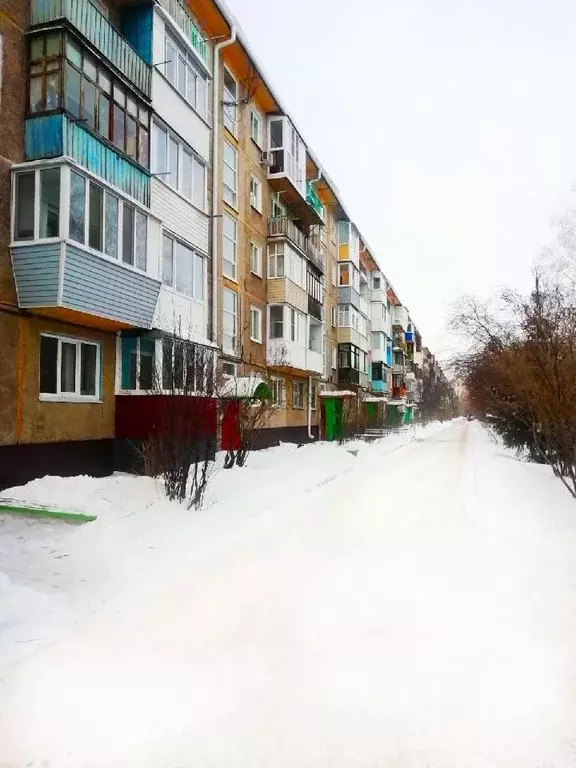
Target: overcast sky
[[449, 128]]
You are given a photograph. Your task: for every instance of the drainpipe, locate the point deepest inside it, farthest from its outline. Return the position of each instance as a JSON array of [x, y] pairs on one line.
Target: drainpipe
[[310, 435], [215, 174]]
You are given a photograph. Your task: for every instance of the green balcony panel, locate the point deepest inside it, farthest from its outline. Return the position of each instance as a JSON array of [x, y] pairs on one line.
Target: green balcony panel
[[313, 200], [96, 28]]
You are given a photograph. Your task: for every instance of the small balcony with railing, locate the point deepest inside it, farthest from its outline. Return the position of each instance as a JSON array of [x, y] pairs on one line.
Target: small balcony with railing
[[93, 25], [287, 171], [283, 227]]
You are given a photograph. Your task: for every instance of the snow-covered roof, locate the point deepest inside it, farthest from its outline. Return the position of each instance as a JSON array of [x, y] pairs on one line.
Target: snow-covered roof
[[338, 393], [375, 399], [245, 387]]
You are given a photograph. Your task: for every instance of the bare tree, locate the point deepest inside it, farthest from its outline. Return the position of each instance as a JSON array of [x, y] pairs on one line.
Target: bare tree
[[523, 377], [183, 445]]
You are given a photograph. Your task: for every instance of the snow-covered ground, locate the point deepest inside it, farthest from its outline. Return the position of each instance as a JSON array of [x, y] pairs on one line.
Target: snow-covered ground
[[409, 603]]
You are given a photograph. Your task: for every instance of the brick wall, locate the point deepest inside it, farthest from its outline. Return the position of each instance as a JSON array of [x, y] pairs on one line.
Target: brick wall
[[13, 20]]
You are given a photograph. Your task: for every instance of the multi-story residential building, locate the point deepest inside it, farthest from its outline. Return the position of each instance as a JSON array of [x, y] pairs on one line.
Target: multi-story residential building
[[110, 221], [158, 204]]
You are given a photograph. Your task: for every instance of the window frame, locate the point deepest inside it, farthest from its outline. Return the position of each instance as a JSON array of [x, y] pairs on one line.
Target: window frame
[[195, 254], [76, 396], [256, 119], [234, 276], [164, 172], [232, 349], [230, 109], [255, 194], [138, 350], [233, 191], [91, 73], [256, 313], [36, 173], [278, 390], [200, 103], [298, 402], [255, 248]]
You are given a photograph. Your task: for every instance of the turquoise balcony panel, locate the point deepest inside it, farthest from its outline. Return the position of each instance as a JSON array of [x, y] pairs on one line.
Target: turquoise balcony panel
[[378, 386], [96, 28], [83, 282], [313, 200], [56, 135]]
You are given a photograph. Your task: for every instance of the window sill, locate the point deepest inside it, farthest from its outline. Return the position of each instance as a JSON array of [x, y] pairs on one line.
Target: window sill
[[256, 341], [258, 210], [69, 399], [256, 274], [232, 206], [232, 279]]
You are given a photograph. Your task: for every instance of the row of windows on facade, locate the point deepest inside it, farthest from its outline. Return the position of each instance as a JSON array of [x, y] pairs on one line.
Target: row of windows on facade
[[71, 368], [103, 222]]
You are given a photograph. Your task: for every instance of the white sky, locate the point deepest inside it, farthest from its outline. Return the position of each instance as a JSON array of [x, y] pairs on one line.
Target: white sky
[[449, 128]]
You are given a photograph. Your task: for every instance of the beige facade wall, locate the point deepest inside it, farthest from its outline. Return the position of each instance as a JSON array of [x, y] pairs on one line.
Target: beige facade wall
[[24, 418], [252, 226]]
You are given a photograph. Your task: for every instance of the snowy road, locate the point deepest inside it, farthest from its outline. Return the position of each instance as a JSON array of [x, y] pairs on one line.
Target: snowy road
[[418, 611]]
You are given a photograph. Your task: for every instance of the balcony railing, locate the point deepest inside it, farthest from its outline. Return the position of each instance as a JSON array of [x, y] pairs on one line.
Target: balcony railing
[[348, 376], [96, 28], [314, 253], [396, 368], [188, 26], [363, 306], [314, 307], [282, 226], [313, 200]]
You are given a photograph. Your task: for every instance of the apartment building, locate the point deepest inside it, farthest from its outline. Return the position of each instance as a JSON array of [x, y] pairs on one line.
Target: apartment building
[[110, 224], [164, 226]]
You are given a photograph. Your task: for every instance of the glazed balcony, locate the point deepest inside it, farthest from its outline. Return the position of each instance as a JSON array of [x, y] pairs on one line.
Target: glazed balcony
[[287, 171], [95, 27], [284, 227], [186, 23]]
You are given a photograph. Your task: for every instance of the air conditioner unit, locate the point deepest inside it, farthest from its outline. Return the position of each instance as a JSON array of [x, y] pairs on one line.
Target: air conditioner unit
[[266, 159]]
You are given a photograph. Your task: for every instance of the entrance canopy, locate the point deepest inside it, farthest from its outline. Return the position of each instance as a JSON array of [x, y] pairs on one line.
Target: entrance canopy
[[246, 388]]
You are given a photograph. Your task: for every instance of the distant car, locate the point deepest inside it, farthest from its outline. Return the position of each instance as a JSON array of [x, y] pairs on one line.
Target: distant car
[[470, 417]]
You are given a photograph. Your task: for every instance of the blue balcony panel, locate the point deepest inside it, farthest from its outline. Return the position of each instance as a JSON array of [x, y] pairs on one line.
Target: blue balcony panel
[[378, 386], [83, 282], [95, 27], [409, 336], [56, 135]]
